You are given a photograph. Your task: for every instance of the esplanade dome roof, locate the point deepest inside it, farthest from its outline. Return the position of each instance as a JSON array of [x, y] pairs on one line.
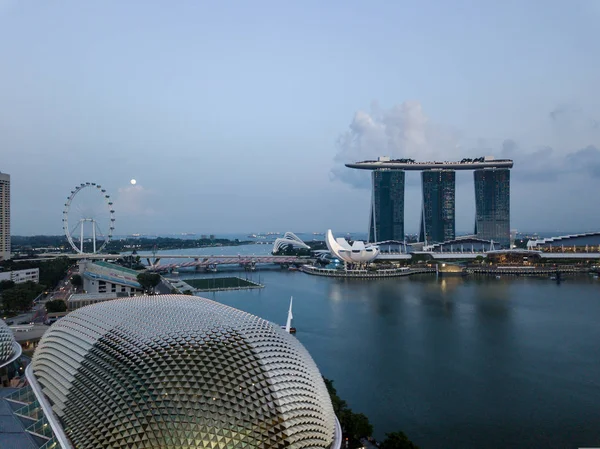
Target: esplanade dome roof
[[177, 371], [7, 343]]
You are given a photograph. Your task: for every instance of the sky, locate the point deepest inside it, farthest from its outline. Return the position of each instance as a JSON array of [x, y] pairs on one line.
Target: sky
[[239, 116]]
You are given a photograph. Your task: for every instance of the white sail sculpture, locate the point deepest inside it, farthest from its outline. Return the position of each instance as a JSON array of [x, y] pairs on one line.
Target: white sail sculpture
[[358, 253], [288, 325]]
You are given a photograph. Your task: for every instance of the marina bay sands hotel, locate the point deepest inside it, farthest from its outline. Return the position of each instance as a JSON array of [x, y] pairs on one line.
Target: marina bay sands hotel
[[492, 198]]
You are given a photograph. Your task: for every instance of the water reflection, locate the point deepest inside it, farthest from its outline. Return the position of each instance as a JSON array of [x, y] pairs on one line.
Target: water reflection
[[455, 362]]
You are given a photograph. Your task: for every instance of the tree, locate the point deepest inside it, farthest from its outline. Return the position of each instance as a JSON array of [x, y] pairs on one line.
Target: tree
[[5, 285], [358, 426], [148, 281], [339, 405], [397, 440], [77, 281], [355, 425], [20, 297], [57, 305]]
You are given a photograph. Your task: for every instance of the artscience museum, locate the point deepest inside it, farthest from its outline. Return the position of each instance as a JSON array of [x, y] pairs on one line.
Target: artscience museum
[[357, 253]]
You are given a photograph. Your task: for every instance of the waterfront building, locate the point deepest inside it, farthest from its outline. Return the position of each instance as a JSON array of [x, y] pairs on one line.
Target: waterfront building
[[175, 371], [438, 212], [588, 242], [289, 239], [20, 276], [492, 205], [464, 244], [387, 206], [358, 253], [4, 216], [78, 300], [105, 277], [492, 196]]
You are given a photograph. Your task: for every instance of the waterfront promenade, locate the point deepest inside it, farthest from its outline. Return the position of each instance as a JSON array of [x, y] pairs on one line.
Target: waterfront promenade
[[518, 270], [365, 274]]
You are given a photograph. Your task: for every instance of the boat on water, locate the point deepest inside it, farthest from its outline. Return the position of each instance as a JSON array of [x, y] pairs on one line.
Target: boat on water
[[288, 325], [292, 268]]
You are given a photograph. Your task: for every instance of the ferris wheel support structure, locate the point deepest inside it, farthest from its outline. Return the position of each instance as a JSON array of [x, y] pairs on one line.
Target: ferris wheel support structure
[[87, 218]]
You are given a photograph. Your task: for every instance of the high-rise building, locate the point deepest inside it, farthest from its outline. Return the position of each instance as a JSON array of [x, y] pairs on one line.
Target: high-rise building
[[437, 215], [492, 205], [387, 206], [492, 194], [4, 216]]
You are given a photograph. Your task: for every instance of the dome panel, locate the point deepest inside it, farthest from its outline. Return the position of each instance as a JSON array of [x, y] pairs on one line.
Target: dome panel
[[7, 339], [176, 371]]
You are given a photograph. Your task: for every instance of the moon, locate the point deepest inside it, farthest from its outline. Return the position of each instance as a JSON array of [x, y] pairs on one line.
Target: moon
[[133, 182]]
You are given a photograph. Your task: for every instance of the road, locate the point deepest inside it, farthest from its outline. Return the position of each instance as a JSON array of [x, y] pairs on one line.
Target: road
[[37, 313]]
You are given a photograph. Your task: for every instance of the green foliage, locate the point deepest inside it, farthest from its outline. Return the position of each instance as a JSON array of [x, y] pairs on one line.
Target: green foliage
[[19, 298], [397, 440], [5, 285], [148, 280], [77, 281], [420, 258], [132, 261], [357, 425], [57, 305], [338, 403], [51, 271], [354, 425], [145, 244]]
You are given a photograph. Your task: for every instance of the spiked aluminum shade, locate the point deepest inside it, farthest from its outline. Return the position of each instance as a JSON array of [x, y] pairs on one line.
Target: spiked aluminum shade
[[178, 371], [7, 343]]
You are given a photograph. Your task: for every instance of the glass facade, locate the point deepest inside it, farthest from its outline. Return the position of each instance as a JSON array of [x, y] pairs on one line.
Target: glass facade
[[387, 206], [4, 216], [437, 215], [492, 205]]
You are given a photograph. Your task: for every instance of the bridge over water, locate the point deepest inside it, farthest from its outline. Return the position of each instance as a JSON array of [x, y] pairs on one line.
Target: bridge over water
[[212, 261], [205, 261], [200, 261]]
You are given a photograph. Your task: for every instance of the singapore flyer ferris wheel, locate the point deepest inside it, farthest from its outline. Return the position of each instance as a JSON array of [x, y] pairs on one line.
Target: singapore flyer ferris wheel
[[88, 218]]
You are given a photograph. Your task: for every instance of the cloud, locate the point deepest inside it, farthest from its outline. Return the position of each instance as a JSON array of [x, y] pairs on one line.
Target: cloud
[[586, 160], [403, 131], [134, 200], [545, 164], [562, 111], [573, 121]]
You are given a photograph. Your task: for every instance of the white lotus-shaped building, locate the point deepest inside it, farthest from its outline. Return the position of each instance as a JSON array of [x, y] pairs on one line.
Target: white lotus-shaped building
[[357, 253]]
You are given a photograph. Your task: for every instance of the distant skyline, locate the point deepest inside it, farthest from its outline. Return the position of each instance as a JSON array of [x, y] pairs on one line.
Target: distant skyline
[[239, 117]]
